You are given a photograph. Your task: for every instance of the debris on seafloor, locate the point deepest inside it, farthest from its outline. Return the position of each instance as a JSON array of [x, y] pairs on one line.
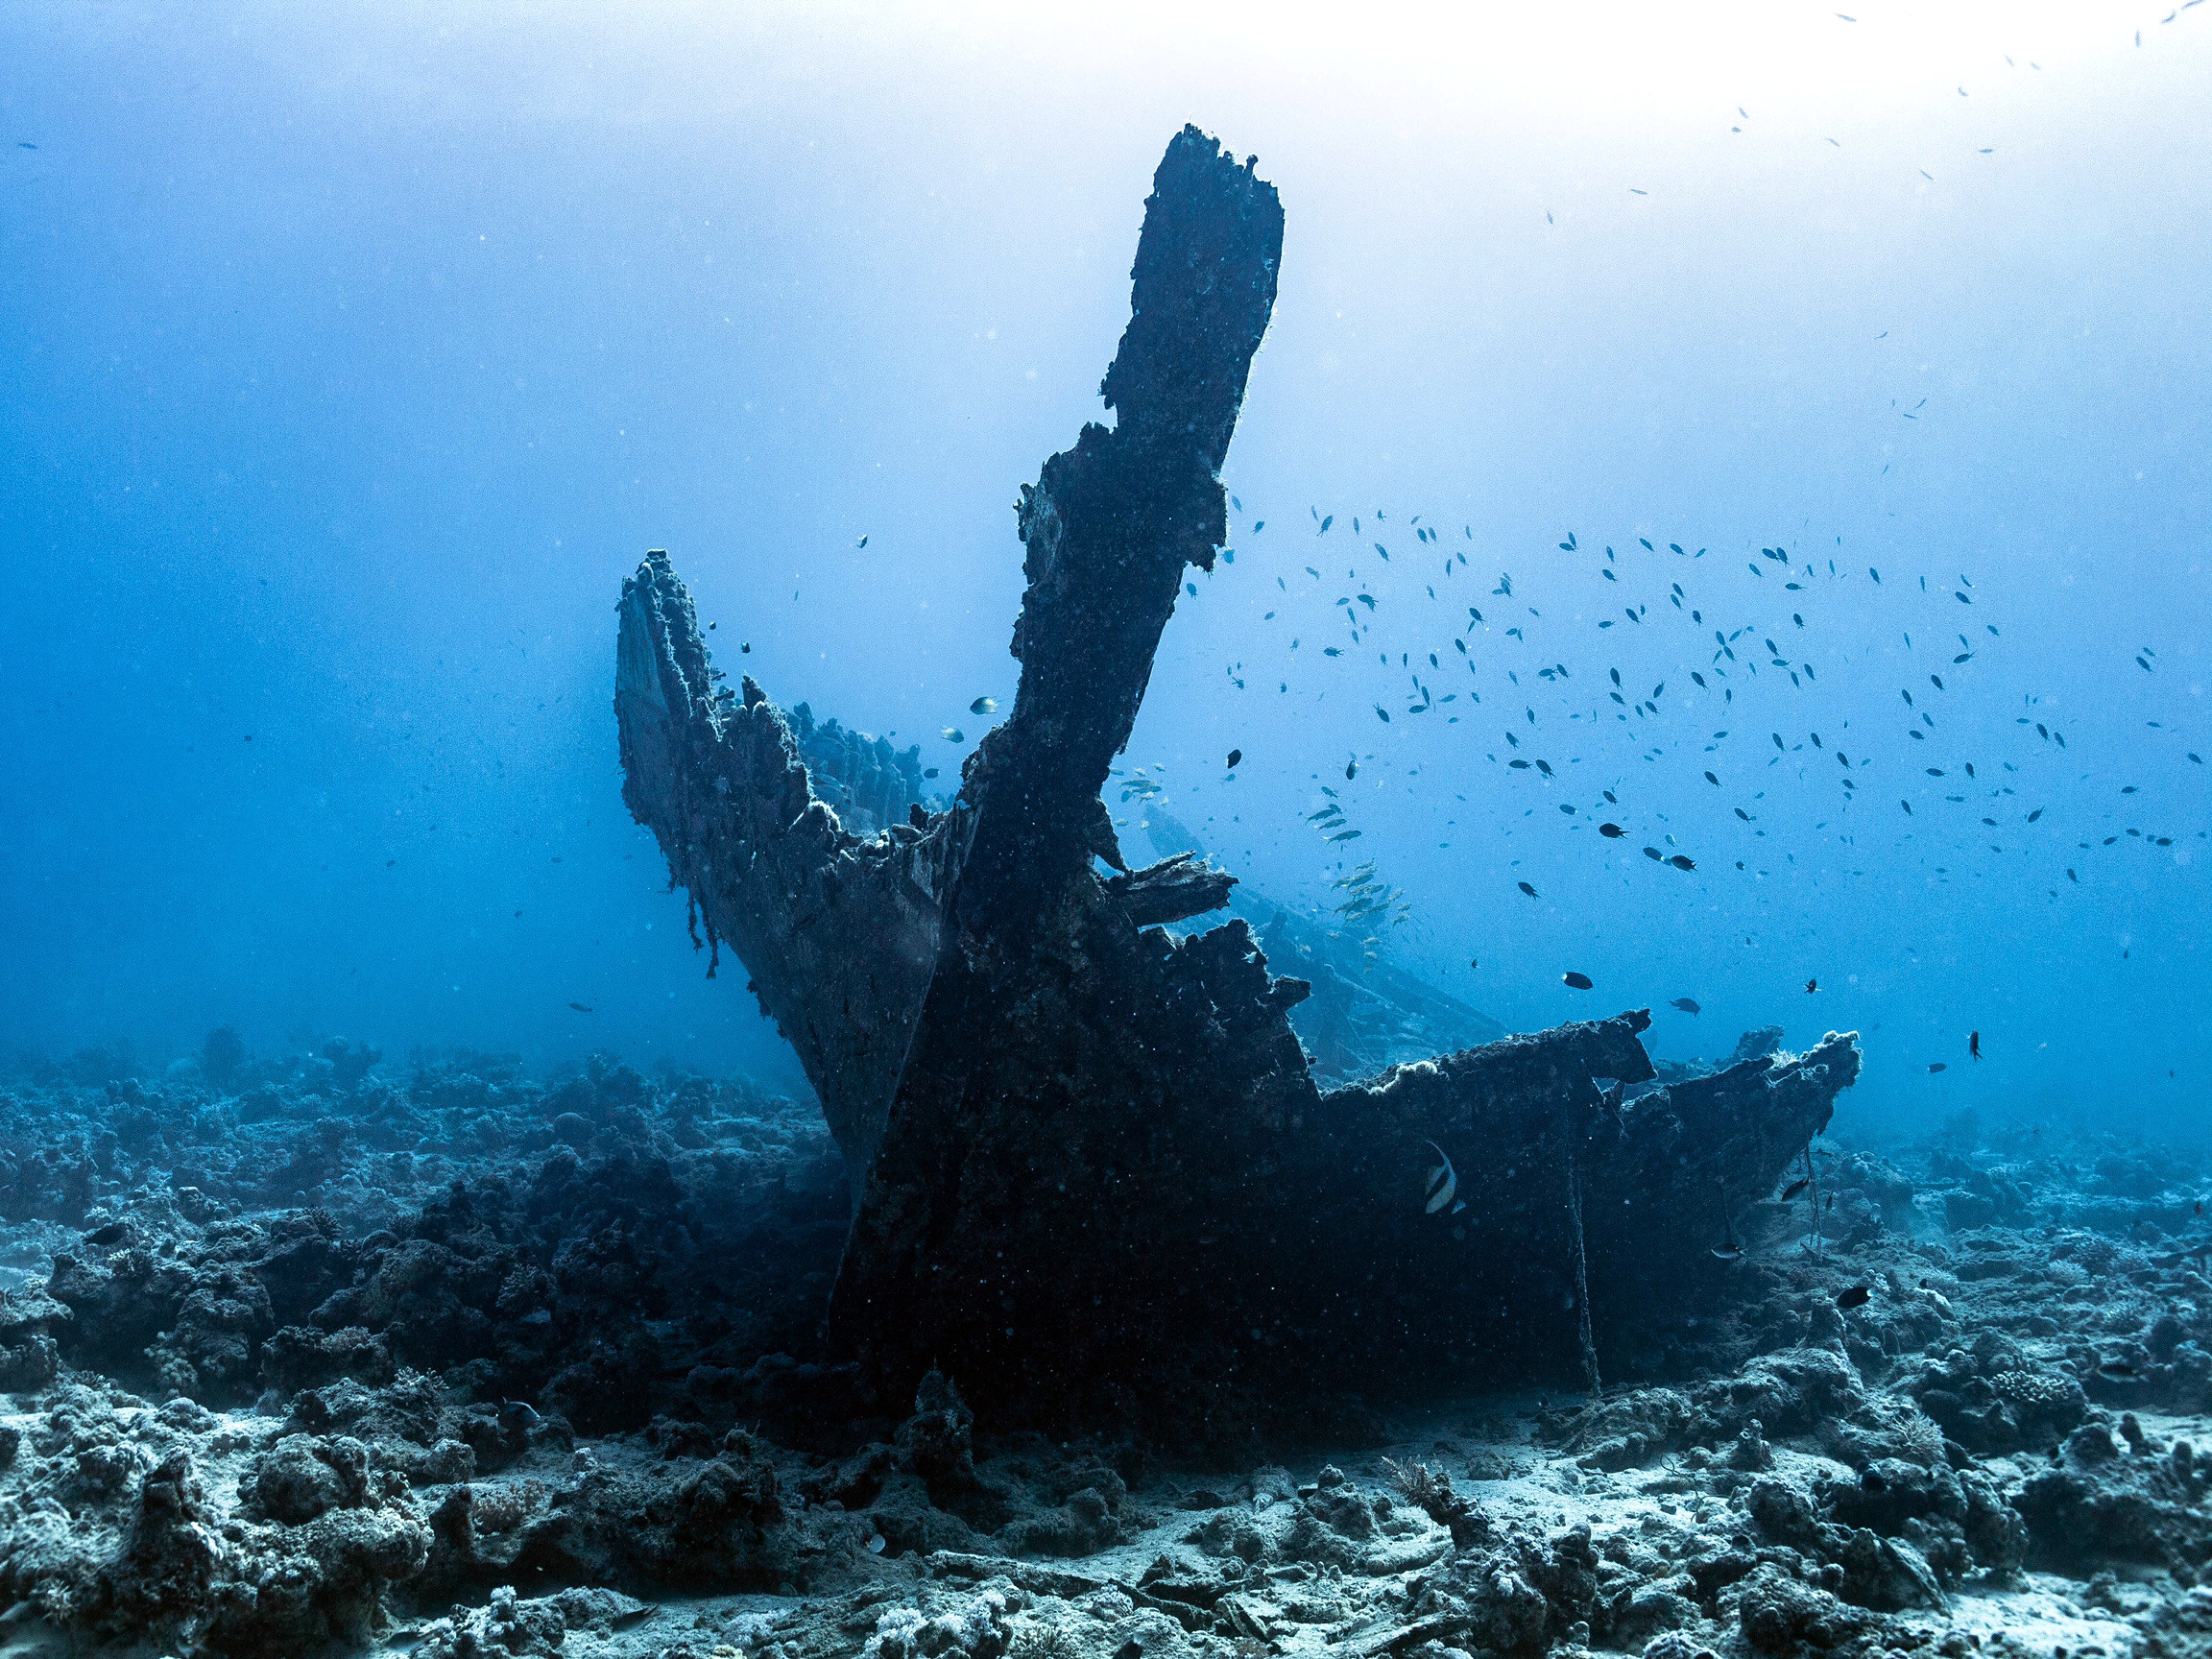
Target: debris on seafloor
[[988, 1021]]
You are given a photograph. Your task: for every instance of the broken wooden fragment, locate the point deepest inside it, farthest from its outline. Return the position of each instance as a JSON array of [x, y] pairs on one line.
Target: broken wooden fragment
[[1173, 890], [838, 931]]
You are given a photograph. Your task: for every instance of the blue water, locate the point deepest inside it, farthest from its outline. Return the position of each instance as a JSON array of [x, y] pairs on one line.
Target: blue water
[[352, 356]]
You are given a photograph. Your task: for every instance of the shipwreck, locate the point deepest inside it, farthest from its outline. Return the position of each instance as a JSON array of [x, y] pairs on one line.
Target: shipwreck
[[1096, 1173]]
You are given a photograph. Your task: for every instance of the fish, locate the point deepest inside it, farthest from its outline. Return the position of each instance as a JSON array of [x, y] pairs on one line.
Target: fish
[[1443, 1184], [983, 706], [862, 542], [1728, 1252], [1235, 755], [952, 735], [1857, 1296], [580, 1007], [875, 1544], [1525, 888], [1974, 1043], [1577, 981], [1688, 1004], [1611, 832], [1683, 861], [2117, 1370], [527, 1414], [1936, 1066], [1351, 769], [1794, 1187], [1811, 986]]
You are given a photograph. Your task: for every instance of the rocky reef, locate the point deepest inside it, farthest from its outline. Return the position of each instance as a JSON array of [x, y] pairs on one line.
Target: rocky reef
[[446, 1359]]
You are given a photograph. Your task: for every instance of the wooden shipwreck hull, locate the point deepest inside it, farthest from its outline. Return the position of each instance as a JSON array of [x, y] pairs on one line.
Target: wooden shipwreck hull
[[1094, 1173]]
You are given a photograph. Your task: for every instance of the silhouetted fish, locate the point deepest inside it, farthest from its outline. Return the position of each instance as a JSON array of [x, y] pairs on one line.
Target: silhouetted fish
[[1688, 1005], [1443, 1184], [1577, 981]]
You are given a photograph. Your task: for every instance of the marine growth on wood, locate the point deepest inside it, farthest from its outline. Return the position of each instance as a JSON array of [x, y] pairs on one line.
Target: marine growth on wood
[[1095, 1172]]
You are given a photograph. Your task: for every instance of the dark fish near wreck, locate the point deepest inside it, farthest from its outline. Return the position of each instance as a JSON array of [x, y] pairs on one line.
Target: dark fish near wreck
[[1443, 1185], [1794, 1187], [1577, 981], [1858, 1296], [1611, 832], [528, 1415], [983, 706], [1688, 1004], [1729, 1252]]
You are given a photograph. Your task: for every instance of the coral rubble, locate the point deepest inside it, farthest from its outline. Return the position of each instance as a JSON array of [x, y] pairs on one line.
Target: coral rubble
[[452, 1360]]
